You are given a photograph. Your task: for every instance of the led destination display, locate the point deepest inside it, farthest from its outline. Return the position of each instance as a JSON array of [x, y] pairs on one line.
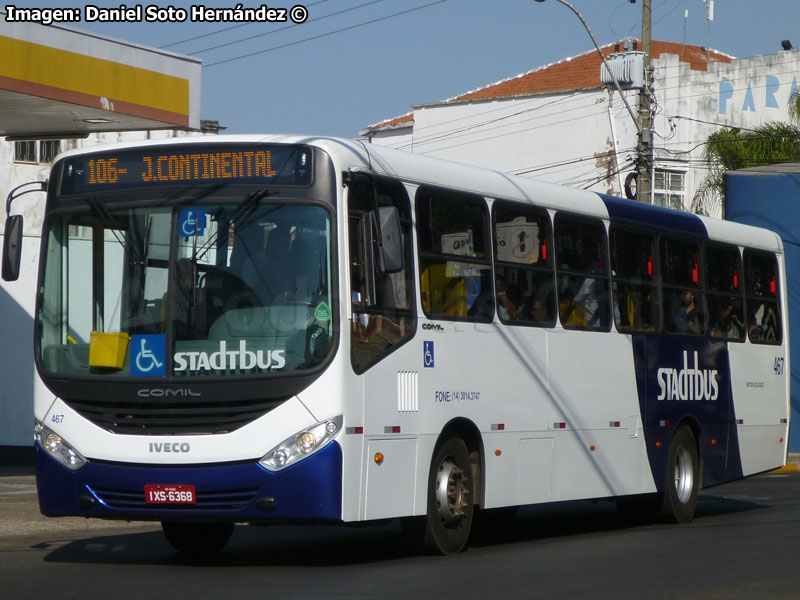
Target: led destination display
[[192, 165]]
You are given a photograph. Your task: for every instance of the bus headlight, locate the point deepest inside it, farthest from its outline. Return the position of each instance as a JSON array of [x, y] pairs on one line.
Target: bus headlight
[[302, 444], [57, 447]]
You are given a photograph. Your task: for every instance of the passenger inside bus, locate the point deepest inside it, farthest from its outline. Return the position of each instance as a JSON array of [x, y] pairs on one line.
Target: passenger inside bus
[[267, 270], [686, 317], [506, 300], [571, 312], [727, 325]]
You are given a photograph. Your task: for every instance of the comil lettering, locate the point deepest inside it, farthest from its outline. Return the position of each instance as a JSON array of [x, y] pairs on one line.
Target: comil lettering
[[688, 383], [225, 359]]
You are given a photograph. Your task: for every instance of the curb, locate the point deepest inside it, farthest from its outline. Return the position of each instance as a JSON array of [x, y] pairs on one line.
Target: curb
[[792, 464], [788, 468]]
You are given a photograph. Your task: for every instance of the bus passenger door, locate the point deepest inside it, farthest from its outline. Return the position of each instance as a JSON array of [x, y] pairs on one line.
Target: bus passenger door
[[383, 320]]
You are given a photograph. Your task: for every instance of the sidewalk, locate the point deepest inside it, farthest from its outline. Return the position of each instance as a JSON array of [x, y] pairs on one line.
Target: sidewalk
[[27, 470]]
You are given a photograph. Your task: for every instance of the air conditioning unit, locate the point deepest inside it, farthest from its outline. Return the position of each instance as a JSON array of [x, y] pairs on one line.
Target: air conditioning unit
[[627, 68]]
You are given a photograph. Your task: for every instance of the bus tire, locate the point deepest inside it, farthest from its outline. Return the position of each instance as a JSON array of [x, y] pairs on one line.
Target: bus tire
[[197, 539], [451, 498], [682, 478]]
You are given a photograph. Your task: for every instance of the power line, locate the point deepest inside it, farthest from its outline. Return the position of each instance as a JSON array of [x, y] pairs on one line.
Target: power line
[[569, 162], [458, 132], [696, 120], [322, 35], [453, 134], [223, 30], [258, 35], [492, 110], [628, 164]]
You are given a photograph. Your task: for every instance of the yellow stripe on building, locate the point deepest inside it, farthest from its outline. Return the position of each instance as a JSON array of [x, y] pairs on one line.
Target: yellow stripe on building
[[84, 74]]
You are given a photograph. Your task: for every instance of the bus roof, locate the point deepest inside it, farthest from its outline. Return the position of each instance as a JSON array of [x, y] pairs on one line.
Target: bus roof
[[417, 169]]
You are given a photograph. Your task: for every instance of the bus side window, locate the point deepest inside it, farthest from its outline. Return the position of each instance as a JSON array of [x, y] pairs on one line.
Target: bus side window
[[524, 283], [582, 269], [723, 267], [684, 300], [454, 257], [762, 300], [636, 299], [383, 303]]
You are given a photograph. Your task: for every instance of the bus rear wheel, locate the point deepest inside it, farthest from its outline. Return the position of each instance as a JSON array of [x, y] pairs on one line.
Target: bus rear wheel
[[451, 498], [197, 539], [683, 477]]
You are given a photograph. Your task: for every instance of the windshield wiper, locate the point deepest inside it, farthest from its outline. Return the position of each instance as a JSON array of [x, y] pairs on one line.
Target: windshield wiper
[[243, 210], [112, 224]]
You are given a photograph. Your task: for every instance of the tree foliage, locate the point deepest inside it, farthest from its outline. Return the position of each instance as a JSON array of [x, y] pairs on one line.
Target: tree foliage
[[733, 148]]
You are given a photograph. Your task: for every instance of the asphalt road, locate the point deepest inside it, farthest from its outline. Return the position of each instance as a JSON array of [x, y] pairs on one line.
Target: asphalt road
[[743, 543]]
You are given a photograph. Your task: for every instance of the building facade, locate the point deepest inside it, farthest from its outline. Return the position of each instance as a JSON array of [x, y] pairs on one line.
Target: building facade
[[559, 123], [63, 88]]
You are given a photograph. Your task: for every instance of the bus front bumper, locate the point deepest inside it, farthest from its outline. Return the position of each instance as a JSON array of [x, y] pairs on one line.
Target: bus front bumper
[[310, 490]]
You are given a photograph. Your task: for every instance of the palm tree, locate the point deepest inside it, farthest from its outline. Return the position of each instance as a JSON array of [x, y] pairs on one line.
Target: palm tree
[[733, 148]]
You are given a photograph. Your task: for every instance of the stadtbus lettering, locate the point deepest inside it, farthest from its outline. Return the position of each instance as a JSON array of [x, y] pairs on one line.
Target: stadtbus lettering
[[225, 359], [688, 383]]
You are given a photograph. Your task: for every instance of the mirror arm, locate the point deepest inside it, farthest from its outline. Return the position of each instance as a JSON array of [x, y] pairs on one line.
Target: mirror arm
[[41, 186]]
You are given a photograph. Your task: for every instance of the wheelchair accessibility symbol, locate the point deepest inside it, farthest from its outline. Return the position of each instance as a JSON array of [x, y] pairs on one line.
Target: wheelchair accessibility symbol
[[191, 221], [427, 358], [149, 355]]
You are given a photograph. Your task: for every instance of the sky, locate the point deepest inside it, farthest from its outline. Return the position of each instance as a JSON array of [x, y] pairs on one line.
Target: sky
[[353, 63]]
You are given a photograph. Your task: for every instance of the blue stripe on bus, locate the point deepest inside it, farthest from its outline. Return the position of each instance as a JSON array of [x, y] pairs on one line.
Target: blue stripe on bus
[[655, 217], [308, 490], [714, 421], [667, 368]]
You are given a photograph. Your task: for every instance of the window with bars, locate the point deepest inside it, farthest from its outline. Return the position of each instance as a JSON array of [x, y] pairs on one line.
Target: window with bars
[[669, 188], [39, 152]]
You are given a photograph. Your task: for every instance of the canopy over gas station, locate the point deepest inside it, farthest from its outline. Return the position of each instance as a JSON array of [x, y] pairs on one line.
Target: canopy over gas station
[[57, 81]]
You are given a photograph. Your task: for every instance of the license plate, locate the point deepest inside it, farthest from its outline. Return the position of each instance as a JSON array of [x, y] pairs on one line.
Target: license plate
[[169, 494]]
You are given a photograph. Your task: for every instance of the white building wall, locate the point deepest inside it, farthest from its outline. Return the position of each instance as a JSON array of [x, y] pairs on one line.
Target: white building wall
[[17, 299], [566, 138], [691, 105]]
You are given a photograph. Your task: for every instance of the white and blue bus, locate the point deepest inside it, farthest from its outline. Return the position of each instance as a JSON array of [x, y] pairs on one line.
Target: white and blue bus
[[294, 329]]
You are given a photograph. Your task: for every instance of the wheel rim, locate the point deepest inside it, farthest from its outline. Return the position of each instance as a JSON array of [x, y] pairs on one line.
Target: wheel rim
[[452, 493], [684, 475]]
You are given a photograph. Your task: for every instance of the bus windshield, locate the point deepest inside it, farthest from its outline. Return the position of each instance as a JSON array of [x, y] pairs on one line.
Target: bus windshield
[[240, 289]]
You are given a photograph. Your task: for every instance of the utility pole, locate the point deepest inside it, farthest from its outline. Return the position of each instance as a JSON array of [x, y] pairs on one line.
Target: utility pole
[[644, 146], [643, 121]]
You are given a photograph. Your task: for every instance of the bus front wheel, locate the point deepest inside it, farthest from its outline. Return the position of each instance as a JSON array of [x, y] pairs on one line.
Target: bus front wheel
[[451, 501], [197, 539]]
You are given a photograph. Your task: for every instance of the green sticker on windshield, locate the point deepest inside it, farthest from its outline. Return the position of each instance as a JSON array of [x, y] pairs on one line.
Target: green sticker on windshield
[[322, 312]]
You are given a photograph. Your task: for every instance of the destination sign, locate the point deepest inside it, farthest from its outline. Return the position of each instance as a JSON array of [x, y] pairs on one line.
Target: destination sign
[[186, 165]]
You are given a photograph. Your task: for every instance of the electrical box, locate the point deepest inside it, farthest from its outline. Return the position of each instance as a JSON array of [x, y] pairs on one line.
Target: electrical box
[[626, 67]]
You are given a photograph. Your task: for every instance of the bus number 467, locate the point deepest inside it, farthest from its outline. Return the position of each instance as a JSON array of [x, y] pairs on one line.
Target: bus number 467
[[778, 368]]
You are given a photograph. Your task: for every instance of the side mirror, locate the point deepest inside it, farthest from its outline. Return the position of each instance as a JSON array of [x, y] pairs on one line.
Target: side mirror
[[390, 252], [12, 247]]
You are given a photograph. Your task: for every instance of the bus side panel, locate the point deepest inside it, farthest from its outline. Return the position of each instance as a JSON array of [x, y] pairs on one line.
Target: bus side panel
[[594, 416], [688, 381], [760, 387]]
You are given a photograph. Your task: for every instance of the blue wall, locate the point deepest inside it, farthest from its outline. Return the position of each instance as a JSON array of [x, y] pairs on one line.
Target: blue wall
[[770, 197]]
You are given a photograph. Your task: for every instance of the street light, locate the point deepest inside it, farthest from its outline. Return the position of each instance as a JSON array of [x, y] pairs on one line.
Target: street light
[[603, 58]]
